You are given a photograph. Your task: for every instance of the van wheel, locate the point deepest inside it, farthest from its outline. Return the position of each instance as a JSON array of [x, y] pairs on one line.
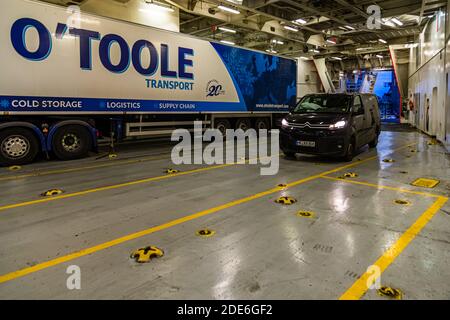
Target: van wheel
[[289, 154], [17, 146], [350, 154], [374, 142], [71, 142]]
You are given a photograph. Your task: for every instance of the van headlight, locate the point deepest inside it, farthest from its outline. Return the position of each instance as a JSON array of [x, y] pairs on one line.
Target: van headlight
[[284, 123], [338, 125]]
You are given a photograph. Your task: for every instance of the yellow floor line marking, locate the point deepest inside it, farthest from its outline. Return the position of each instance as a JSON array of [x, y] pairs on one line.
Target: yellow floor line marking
[[50, 263], [360, 287], [111, 187], [38, 173], [152, 179], [378, 186]]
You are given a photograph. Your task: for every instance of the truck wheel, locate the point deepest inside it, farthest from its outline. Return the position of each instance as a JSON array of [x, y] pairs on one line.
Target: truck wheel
[[262, 124], [243, 124], [71, 142], [222, 125], [17, 146], [374, 142]]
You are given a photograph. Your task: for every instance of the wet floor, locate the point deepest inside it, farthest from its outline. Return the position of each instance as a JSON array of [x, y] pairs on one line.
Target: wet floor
[[260, 249]]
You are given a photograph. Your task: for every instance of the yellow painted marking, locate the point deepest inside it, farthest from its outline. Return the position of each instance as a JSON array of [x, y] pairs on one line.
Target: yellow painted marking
[[61, 171], [373, 185], [425, 183], [360, 287], [84, 252], [111, 187]]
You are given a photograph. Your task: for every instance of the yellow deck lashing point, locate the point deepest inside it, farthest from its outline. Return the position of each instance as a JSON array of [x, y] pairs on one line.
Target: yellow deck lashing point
[[425, 183], [206, 233], [172, 171], [286, 200], [144, 255], [402, 202], [305, 214], [52, 192], [390, 293], [348, 175], [15, 168]]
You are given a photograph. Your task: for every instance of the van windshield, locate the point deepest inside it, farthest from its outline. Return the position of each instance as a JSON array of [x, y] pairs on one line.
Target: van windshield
[[326, 103]]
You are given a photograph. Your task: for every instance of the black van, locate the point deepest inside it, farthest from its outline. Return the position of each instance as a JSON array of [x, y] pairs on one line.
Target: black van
[[331, 124]]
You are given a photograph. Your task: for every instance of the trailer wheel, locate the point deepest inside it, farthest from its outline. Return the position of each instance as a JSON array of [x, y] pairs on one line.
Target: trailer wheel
[[71, 142], [243, 124], [262, 124], [222, 125], [17, 146]]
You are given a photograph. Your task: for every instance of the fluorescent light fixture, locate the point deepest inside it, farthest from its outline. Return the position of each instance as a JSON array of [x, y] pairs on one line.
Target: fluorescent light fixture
[[431, 16], [228, 42], [397, 22], [350, 27], [331, 41], [290, 28], [362, 49], [300, 21], [314, 50], [271, 51], [337, 58], [227, 30], [277, 41], [304, 58], [382, 40], [157, 6], [342, 28], [230, 10], [379, 56]]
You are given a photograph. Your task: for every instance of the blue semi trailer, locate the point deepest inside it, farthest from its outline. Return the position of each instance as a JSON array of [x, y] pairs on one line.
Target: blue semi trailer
[[67, 81]]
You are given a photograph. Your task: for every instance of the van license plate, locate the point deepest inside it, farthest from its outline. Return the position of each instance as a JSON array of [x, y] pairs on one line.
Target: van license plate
[[311, 144]]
